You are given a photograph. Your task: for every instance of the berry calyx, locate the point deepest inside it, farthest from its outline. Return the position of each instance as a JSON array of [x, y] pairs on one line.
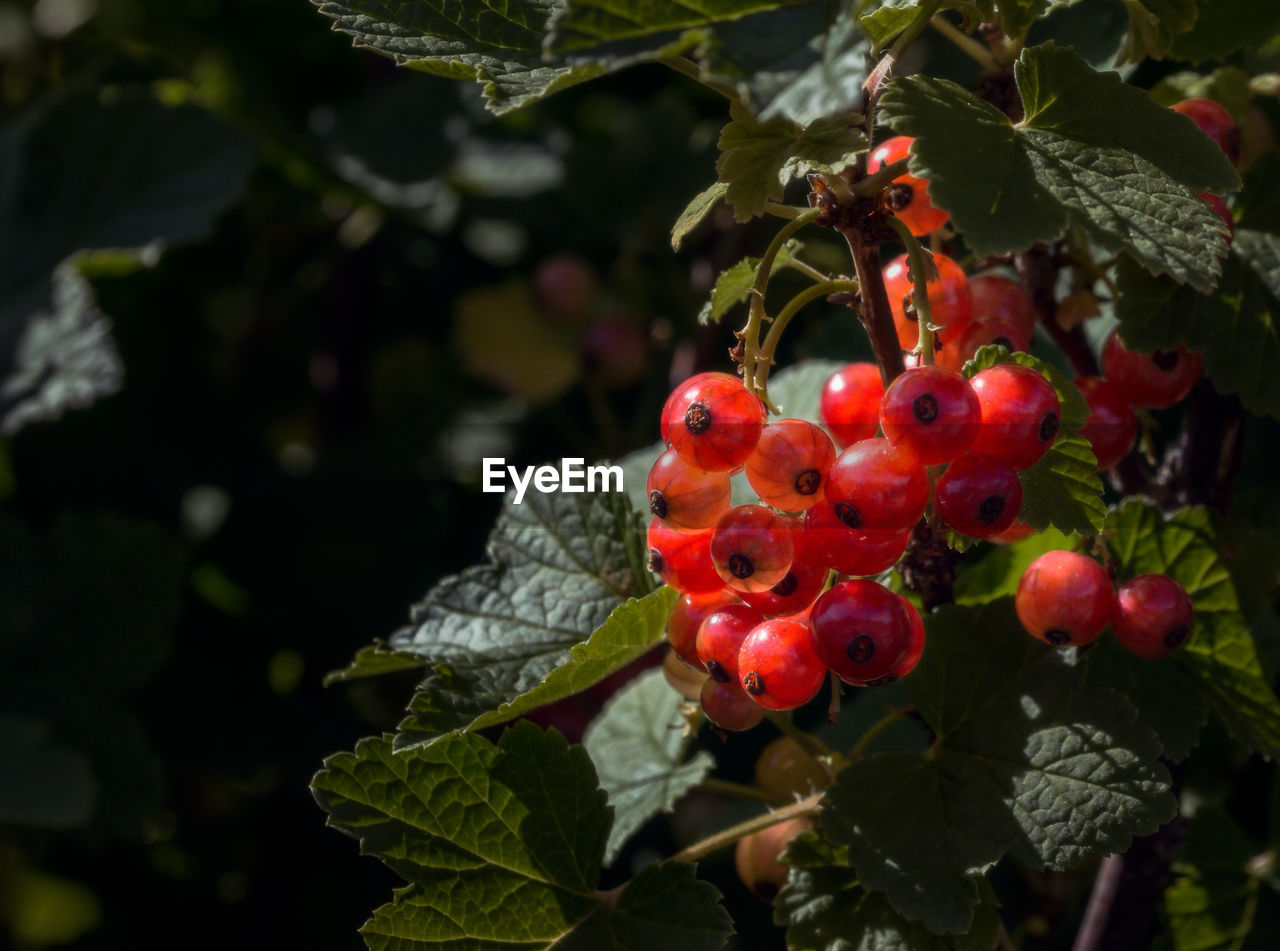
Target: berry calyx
[[778, 666], [860, 630], [950, 300], [712, 422], [682, 559], [1064, 598], [877, 486], [930, 412], [803, 581], [850, 403], [980, 333], [751, 548], [1152, 616], [790, 464], [1112, 427], [978, 495], [907, 196], [684, 497], [850, 551], [1154, 380], [1019, 414], [720, 637]]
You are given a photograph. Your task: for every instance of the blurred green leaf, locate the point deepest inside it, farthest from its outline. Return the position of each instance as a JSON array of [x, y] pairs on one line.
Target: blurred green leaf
[[583, 24], [1226, 26], [1212, 903], [1153, 25]]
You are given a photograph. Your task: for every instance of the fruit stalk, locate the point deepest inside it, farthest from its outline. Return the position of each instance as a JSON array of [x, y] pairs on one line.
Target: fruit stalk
[[809, 806]]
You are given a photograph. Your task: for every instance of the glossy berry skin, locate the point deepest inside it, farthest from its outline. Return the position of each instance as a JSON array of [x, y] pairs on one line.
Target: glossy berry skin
[[932, 413], [978, 495], [915, 646], [860, 630], [851, 551], [684, 497], [1112, 427], [1064, 598], [875, 485], [850, 403], [1019, 414], [950, 300], [756, 856], [790, 464], [778, 666], [907, 196], [996, 297], [803, 581], [687, 616], [712, 422], [1152, 616], [980, 333], [682, 559], [720, 637], [728, 706], [1154, 380], [1215, 122], [751, 548]]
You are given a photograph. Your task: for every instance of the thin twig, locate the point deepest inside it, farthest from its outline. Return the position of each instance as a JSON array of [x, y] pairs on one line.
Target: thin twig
[[726, 837], [976, 51]]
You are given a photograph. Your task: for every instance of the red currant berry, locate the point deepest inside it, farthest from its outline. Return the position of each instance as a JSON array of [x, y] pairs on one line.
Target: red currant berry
[[778, 665], [950, 300], [1064, 598], [1156, 380], [978, 495], [915, 647], [1215, 122], [850, 405], [932, 413], [565, 289], [1112, 427], [687, 616], [1219, 206], [1020, 414], [803, 581], [1014, 533], [756, 856], [1152, 616], [906, 196], [687, 499], [682, 559], [720, 637], [786, 771], [682, 678], [851, 551], [790, 464], [877, 485], [752, 548], [979, 333], [728, 706], [860, 630], [996, 297], [712, 422]]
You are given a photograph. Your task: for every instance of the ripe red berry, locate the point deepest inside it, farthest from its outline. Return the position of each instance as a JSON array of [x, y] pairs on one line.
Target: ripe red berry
[[996, 297], [720, 637], [682, 559], [683, 679], [803, 581], [930, 412], [850, 551], [712, 421], [1020, 414], [778, 665], [790, 463], [860, 630], [907, 196], [751, 548], [1014, 533], [1156, 380], [1112, 427], [686, 618], [1215, 122], [915, 647], [979, 333], [1064, 598], [756, 856], [1152, 616], [950, 300], [978, 495], [850, 404], [728, 706], [684, 497], [875, 485]]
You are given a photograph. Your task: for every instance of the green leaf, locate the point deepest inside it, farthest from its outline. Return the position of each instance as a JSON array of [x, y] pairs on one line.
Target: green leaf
[[1220, 656], [638, 745], [997, 573], [583, 24], [1226, 26], [498, 45], [734, 284], [374, 660], [1091, 150], [524, 826], [1229, 86], [1153, 24], [757, 159], [889, 19], [1030, 761], [695, 211], [797, 389], [1063, 488], [1211, 905], [45, 784]]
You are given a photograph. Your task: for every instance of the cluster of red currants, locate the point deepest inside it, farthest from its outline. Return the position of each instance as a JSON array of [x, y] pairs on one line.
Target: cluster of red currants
[[1067, 599]]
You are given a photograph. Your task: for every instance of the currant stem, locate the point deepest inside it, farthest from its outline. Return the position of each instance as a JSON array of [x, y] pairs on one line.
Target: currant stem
[[873, 306], [764, 356], [967, 44], [784, 211], [867, 738], [724, 787], [726, 837], [877, 180], [920, 296], [808, 270]]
